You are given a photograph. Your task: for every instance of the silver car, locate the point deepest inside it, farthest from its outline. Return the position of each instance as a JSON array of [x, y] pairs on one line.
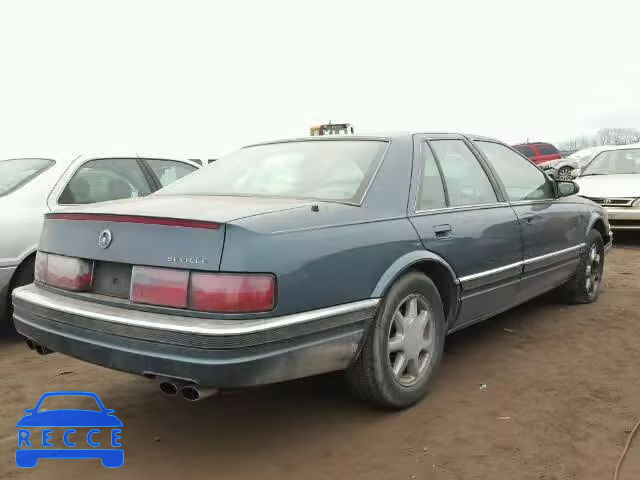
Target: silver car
[[30, 187], [612, 179]]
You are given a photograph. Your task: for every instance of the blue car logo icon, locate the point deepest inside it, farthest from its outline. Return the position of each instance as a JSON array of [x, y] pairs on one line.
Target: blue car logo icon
[[29, 452]]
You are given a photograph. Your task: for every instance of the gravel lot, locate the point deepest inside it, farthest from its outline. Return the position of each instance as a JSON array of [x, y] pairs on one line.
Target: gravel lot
[[562, 392]]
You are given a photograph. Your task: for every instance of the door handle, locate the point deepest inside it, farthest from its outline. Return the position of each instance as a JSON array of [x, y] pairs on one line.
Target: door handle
[[442, 231], [531, 218]]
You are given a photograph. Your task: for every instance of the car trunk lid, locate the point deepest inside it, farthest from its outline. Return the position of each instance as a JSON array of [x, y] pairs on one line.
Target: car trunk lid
[[185, 232]]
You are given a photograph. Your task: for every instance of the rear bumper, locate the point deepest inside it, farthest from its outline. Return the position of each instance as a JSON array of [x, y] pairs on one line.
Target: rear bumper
[[624, 218], [216, 353]]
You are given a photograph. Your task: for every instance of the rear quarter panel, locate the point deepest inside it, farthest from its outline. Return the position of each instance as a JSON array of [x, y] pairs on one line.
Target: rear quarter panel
[[321, 266]]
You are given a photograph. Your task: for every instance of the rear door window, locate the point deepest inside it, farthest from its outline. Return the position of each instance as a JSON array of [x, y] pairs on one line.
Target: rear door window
[[105, 179], [167, 171], [465, 180], [431, 191]]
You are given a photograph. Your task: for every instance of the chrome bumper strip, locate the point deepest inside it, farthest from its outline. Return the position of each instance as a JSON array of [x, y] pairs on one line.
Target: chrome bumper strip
[[554, 254], [176, 323]]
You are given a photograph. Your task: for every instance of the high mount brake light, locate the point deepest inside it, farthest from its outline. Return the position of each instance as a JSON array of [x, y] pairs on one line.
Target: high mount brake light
[[99, 217]]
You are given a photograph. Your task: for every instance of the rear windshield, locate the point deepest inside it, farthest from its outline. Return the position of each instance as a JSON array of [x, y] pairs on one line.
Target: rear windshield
[[338, 170], [15, 173], [614, 162]]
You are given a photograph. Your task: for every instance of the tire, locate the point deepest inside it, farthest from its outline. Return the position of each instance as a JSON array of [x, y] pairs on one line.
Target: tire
[[585, 285], [22, 276], [565, 174], [371, 376]]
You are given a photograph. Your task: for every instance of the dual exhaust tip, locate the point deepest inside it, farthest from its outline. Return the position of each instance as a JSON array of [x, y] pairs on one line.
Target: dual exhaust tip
[[41, 349], [190, 392]]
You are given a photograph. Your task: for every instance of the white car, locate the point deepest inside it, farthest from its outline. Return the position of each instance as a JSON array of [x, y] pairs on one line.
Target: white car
[[581, 158], [29, 187], [612, 179], [563, 168]]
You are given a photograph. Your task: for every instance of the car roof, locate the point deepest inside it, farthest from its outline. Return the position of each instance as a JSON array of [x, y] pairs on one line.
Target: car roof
[[379, 136], [69, 158], [532, 143]]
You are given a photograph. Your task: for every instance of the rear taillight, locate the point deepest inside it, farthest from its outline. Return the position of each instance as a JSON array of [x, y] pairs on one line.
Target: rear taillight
[[40, 273], [209, 292], [68, 273], [160, 286], [232, 293]]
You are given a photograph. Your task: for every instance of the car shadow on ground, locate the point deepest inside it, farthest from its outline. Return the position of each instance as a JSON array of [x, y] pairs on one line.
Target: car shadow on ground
[[265, 418]]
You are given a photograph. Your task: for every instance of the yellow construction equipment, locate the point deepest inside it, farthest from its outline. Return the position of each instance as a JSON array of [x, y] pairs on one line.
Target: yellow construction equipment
[[331, 129]]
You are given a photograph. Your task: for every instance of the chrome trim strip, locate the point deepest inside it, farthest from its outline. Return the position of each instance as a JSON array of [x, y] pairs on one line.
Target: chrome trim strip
[[176, 323], [462, 207], [527, 261], [553, 254], [490, 272], [533, 202]]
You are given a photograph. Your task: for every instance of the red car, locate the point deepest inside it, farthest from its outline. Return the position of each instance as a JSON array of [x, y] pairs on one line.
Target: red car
[[538, 152]]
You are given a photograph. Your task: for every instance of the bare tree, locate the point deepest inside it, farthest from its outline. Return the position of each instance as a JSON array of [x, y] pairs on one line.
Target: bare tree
[[578, 143], [604, 136], [618, 136]]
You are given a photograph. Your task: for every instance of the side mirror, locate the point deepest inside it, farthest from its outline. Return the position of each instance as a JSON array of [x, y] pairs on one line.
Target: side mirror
[[566, 188], [575, 173]]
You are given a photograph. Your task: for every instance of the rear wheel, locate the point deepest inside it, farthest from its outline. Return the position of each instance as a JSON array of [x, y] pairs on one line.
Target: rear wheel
[[403, 347], [584, 286]]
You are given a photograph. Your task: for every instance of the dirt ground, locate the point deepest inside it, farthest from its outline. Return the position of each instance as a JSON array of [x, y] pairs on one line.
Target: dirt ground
[[562, 392]]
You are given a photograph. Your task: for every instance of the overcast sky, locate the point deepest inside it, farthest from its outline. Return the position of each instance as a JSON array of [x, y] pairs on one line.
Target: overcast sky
[[200, 78]]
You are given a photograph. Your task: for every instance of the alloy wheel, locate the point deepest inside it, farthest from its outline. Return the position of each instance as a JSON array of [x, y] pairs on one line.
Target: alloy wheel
[[565, 174], [593, 271], [411, 340]]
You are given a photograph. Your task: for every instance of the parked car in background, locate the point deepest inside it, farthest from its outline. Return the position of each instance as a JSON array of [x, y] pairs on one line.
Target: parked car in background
[[612, 179], [548, 158], [563, 168], [300, 257], [30, 187], [538, 152], [584, 156]]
